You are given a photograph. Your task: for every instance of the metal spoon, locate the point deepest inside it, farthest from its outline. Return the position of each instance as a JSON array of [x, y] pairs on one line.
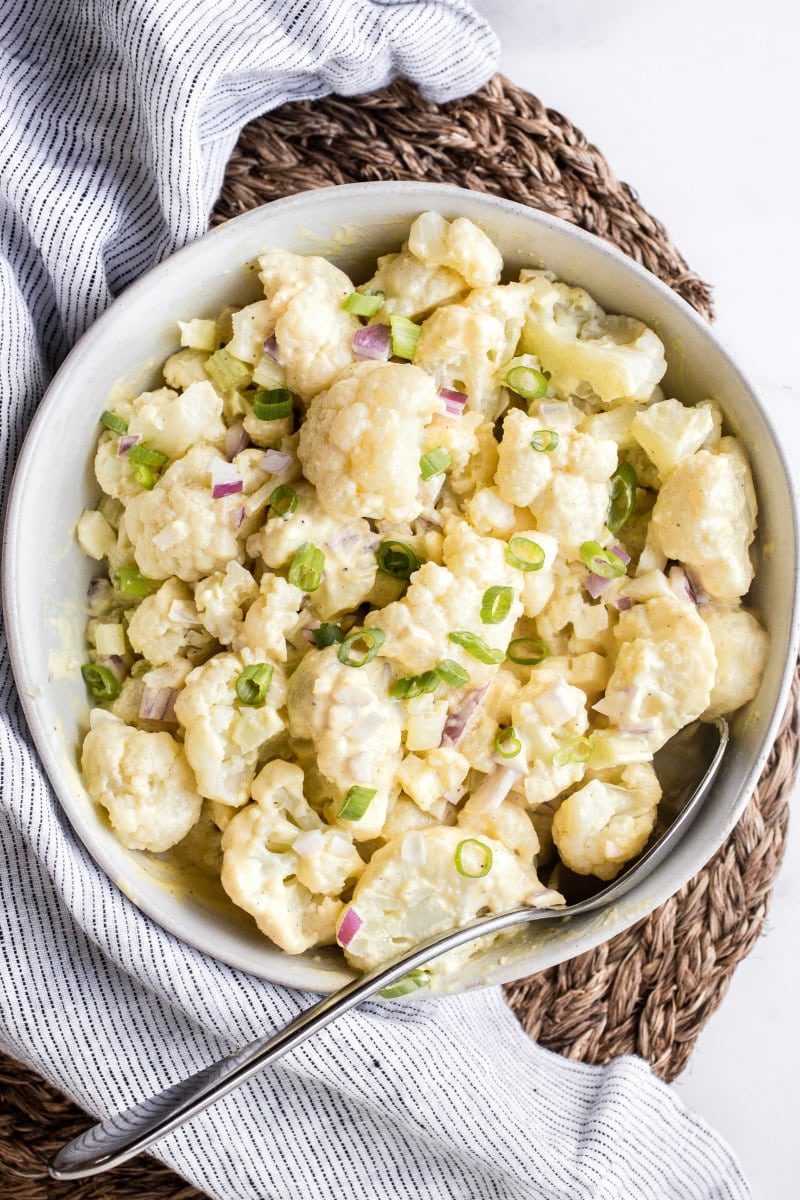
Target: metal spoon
[[121, 1137]]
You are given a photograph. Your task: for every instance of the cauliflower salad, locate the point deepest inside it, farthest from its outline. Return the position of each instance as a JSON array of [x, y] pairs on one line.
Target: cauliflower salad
[[404, 586]]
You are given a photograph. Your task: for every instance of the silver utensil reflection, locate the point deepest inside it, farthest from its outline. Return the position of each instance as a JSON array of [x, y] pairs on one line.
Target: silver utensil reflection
[[699, 747]]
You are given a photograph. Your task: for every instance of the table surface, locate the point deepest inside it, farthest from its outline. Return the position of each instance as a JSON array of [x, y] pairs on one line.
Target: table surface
[[698, 108]]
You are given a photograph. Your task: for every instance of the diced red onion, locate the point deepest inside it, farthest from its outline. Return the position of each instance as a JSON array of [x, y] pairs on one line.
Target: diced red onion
[[275, 461], [679, 582], [622, 553], [236, 440], [125, 442], [237, 517], [595, 584], [373, 342], [457, 721], [157, 704], [97, 589], [492, 791], [623, 603], [308, 632], [227, 489], [636, 730], [546, 898], [271, 348], [116, 665], [454, 402], [309, 842], [350, 924]]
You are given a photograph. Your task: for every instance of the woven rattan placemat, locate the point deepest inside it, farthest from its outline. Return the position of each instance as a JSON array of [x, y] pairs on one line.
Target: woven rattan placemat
[[650, 989]]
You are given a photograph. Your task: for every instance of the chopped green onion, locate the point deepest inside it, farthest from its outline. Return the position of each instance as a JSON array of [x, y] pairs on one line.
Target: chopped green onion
[[476, 646], [405, 335], [449, 671], [604, 563], [227, 373], [102, 685], [528, 651], [306, 568], [414, 685], [544, 440], [363, 304], [527, 382], [112, 421], [506, 742], [409, 983], [131, 582], [435, 462], [271, 404], [623, 496], [283, 500], [355, 803], [327, 635], [144, 476], [253, 683], [350, 656], [579, 751], [147, 456], [486, 864], [397, 559], [525, 554], [496, 605]]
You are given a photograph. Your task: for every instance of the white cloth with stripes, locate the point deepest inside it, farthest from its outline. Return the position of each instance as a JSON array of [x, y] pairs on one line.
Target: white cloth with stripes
[[118, 121]]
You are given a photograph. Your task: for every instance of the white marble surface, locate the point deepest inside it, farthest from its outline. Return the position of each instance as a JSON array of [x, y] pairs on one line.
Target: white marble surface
[[696, 103]]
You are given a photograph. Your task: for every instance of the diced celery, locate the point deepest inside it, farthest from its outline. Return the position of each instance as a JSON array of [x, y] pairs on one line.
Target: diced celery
[[228, 374], [109, 639]]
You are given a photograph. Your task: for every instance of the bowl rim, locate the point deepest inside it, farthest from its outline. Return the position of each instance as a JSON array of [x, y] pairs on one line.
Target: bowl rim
[[169, 914]]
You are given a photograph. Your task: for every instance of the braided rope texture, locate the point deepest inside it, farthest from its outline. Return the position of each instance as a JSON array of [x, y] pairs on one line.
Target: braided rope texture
[[650, 989]]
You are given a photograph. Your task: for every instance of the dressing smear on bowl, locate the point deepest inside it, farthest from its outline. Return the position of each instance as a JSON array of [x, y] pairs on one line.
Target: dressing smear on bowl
[[402, 587]]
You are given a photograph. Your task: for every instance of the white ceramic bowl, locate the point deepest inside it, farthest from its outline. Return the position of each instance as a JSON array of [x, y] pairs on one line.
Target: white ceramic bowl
[[45, 575]]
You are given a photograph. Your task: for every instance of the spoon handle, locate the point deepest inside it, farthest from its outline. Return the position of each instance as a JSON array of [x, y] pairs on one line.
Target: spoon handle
[[119, 1138]]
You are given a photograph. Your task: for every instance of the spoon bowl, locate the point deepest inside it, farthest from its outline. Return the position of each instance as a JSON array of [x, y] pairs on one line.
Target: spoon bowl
[[700, 746]]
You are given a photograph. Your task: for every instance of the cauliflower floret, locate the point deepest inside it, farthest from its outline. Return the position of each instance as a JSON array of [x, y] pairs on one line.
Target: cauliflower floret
[[186, 367], [459, 245], [705, 516], [509, 305], [313, 333], [411, 287], [603, 825], [113, 471], [522, 472], [223, 736], [144, 781], [400, 903], [669, 431], [155, 630], [282, 864], [404, 816], [567, 488], [272, 618], [549, 716], [741, 647], [355, 730], [576, 341], [664, 672], [462, 349], [508, 823], [362, 440], [441, 600], [348, 544], [489, 514], [480, 470], [458, 435], [172, 422], [179, 529], [222, 600], [251, 326]]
